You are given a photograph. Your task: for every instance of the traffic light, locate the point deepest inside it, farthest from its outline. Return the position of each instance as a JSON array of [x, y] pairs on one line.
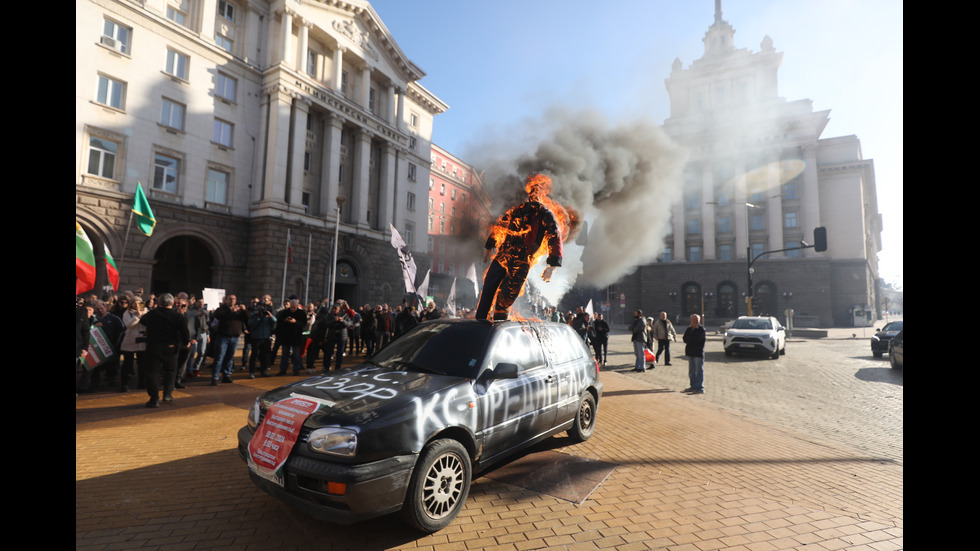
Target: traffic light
[[820, 239]]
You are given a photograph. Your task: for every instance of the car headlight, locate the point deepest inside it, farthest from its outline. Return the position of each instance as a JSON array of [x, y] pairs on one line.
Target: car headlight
[[255, 414], [333, 441]]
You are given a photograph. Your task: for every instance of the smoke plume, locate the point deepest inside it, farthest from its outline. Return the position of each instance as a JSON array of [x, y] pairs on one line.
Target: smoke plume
[[621, 179]]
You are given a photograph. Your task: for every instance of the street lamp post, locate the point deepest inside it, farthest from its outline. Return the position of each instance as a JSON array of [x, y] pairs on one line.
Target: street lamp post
[[336, 237]]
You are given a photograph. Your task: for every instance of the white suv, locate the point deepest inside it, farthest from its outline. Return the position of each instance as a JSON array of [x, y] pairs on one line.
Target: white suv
[[756, 334]]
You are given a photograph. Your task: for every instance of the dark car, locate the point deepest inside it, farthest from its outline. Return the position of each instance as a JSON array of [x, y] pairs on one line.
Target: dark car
[[879, 342], [896, 350], [407, 430]]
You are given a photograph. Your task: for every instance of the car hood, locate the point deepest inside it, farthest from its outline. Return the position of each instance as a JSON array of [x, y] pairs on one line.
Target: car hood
[[888, 334], [364, 392], [751, 332]]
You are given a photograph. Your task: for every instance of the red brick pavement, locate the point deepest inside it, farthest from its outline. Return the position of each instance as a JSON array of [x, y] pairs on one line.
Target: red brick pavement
[[689, 476]]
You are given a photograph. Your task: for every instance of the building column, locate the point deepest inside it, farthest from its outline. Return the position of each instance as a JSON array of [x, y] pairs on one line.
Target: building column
[[279, 104], [809, 195], [386, 191], [286, 38], [297, 148], [774, 206], [304, 47], [740, 210], [400, 115], [330, 179], [362, 173], [365, 91], [390, 107], [707, 212], [680, 232], [338, 69]]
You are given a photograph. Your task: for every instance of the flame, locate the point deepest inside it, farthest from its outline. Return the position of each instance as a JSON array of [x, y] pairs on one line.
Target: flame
[[567, 220]]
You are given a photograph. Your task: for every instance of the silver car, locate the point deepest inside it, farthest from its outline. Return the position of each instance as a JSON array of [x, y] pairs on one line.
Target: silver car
[[756, 335]]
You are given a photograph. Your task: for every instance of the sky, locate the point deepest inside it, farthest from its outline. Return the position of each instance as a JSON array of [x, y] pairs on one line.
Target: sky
[[499, 64]]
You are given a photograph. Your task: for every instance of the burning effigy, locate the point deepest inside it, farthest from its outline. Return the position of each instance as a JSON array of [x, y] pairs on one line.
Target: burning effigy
[[521, 236]]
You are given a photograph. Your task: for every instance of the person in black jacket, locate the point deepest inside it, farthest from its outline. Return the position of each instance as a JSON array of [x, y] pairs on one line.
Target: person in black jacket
[[694, 339], [166, 334]]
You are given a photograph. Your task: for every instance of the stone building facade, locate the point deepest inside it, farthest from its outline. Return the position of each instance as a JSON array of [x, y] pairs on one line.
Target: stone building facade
[[758, 181], [255, 127]]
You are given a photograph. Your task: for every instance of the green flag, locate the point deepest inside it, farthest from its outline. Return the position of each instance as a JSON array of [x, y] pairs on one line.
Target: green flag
[[144, 214]]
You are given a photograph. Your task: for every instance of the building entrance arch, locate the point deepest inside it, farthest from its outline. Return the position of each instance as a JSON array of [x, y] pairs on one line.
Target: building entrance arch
[[182, 263]]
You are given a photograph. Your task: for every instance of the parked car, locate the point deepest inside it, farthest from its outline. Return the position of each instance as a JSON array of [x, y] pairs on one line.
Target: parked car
[[896, 350], [406, 430], [879, 342], [756, 335]]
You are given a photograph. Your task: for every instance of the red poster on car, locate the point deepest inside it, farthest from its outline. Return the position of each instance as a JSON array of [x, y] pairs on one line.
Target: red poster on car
[[276, 436]]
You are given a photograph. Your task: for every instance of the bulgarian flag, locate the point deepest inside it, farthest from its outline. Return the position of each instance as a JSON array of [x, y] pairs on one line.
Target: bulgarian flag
[[144, 214], [110, 269], [84, 262]]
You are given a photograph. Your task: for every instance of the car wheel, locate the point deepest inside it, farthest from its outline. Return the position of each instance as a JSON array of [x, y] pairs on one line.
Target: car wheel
[[584, 419], [877, 353], [439, 486], [728, 352], [894, 361], [775, 353], [783, 351]]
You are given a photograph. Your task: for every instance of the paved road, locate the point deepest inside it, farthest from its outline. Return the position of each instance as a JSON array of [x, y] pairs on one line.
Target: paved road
[[831, 388]]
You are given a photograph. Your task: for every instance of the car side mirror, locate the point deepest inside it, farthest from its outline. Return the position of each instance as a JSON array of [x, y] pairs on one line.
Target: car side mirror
[[505, 371]]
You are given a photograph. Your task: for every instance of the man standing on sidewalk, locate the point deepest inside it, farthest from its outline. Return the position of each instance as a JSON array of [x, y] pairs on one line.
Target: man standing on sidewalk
[[663, 333], [694, 339], [639, 330], [166, 334]]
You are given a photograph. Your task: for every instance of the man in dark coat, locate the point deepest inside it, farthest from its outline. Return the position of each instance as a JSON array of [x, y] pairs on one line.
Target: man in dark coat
[[166, 334]]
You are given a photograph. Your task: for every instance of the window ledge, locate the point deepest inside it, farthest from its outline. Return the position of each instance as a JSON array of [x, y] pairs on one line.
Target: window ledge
[[108, 108], [222, 146], [175, 78]]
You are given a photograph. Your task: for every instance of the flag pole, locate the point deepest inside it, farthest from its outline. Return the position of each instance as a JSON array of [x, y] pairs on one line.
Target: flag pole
[[309, 254], [285, 264]]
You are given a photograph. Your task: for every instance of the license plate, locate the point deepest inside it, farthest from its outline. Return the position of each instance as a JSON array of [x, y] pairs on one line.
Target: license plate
[[747, 345]]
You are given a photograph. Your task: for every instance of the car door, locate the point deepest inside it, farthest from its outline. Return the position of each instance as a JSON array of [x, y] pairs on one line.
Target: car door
[[514, 411], [569, 358]]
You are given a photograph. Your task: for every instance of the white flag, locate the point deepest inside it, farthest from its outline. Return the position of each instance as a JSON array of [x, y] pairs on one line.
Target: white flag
[[405, 257], [451, 300], [471, 275], [589, 310], [423, 290]]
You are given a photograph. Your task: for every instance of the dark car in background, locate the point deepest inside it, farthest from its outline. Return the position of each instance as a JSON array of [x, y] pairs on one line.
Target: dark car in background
[[406, 430], [896, 350], [879, 342]]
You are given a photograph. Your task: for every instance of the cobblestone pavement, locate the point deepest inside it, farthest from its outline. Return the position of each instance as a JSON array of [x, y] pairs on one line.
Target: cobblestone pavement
[[832, 388], [690, 475]]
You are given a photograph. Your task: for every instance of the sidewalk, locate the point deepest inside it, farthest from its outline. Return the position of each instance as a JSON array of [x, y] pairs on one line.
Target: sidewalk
[[688, 476]]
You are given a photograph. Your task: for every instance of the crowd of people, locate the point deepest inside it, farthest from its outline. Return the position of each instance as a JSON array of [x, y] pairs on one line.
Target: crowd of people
[[164, 341], [162, 351]]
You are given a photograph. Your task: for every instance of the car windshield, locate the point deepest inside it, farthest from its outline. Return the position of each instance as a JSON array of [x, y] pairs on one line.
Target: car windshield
[[893, 326], [752, 324], [438, 347]]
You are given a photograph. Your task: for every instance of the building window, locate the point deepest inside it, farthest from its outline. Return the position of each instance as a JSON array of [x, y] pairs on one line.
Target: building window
[[432, 184], [172, 114], [794, 249], [442, 226], [432, 203], [307, 160], [667, 255], [410, 201], [177, 16], [443, 166], [222, 133], [454, 171], [217, 186], [226, 10], [102, 157], [413, 143], [454, 194], [431, 224], [694, 253], [725, 252], [116, 36], [442, 208], [442, 188], [166, 171], [694, 201], [111, 92], [311, 63], [177, 64], [757, 222], [371, 100], [757, 249], [693, 226], [225, 87], [409, 234], [454, 212], [413, 120], [463, 177], [790, 220], [411, 171], [464, 196], [224, 42], [343, 82], [725, 224], [789, 191]]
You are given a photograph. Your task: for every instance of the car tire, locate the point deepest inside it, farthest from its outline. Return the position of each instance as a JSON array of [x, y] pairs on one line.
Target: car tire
[[728, 352], [584, 424], [775, 353], [439, 486], [894, 362], [877, 353], [783, 351]]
